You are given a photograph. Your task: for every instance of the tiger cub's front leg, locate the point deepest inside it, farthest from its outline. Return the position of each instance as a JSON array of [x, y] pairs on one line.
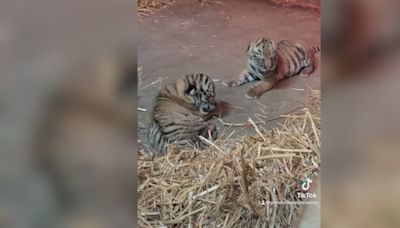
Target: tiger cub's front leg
[[262, 87], [245, 77], [266, 84]]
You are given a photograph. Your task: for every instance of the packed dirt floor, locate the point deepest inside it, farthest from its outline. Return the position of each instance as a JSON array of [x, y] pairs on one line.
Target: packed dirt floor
[[211, 38]]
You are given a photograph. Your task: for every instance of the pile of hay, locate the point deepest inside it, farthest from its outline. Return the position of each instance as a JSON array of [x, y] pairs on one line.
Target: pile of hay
[[236, 181], [147, 7]]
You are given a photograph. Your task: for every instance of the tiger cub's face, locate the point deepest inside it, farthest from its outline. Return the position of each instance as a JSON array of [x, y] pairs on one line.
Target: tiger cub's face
[[262, 50], [201, 93]]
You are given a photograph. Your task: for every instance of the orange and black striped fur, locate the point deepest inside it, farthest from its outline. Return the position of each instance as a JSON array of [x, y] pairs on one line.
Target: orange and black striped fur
[[271, 63], [180, 112]]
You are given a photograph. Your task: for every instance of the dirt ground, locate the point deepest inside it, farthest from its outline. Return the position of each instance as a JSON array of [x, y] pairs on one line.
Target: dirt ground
[[212, 38]]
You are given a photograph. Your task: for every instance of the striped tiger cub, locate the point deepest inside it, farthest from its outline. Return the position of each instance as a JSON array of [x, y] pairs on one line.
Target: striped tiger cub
[[180, 112], [270, 63]]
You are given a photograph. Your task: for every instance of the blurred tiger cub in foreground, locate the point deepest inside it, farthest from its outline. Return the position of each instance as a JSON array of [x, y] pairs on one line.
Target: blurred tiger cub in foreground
[[271, 63], [180, 111]]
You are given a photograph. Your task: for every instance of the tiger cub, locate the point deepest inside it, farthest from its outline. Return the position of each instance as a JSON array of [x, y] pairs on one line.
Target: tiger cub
[[270, 63], [180, 112]]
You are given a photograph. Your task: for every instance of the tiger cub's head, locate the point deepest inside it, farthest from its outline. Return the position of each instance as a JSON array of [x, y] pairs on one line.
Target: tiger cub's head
[[263, 49], [199, 90]]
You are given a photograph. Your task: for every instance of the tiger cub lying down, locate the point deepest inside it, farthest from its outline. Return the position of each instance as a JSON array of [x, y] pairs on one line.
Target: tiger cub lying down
[[180, 112], [271, 63]]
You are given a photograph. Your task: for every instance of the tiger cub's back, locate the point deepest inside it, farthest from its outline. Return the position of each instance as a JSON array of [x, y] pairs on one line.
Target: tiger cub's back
[[295, 58]]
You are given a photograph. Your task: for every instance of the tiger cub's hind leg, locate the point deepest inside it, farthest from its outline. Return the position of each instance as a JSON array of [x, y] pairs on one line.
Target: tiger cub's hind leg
[[260, 88], [310, 66], [308, 70]]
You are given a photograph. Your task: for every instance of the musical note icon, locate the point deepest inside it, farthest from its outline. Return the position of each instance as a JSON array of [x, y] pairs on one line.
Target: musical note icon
[[306, 184]]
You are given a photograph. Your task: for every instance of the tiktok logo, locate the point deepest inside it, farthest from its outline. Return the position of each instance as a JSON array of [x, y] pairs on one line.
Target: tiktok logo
[[306, 184]]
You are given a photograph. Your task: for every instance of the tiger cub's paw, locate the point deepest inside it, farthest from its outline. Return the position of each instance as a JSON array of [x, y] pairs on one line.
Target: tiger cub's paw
[[251, 94], [233, 83]]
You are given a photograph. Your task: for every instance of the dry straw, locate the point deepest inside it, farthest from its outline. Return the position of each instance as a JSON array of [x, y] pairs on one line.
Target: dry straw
[[228, 184], [147, 7]]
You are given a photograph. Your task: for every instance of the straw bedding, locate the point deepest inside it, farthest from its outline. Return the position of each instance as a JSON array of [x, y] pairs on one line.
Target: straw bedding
[[231, 183], [147, 7]]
